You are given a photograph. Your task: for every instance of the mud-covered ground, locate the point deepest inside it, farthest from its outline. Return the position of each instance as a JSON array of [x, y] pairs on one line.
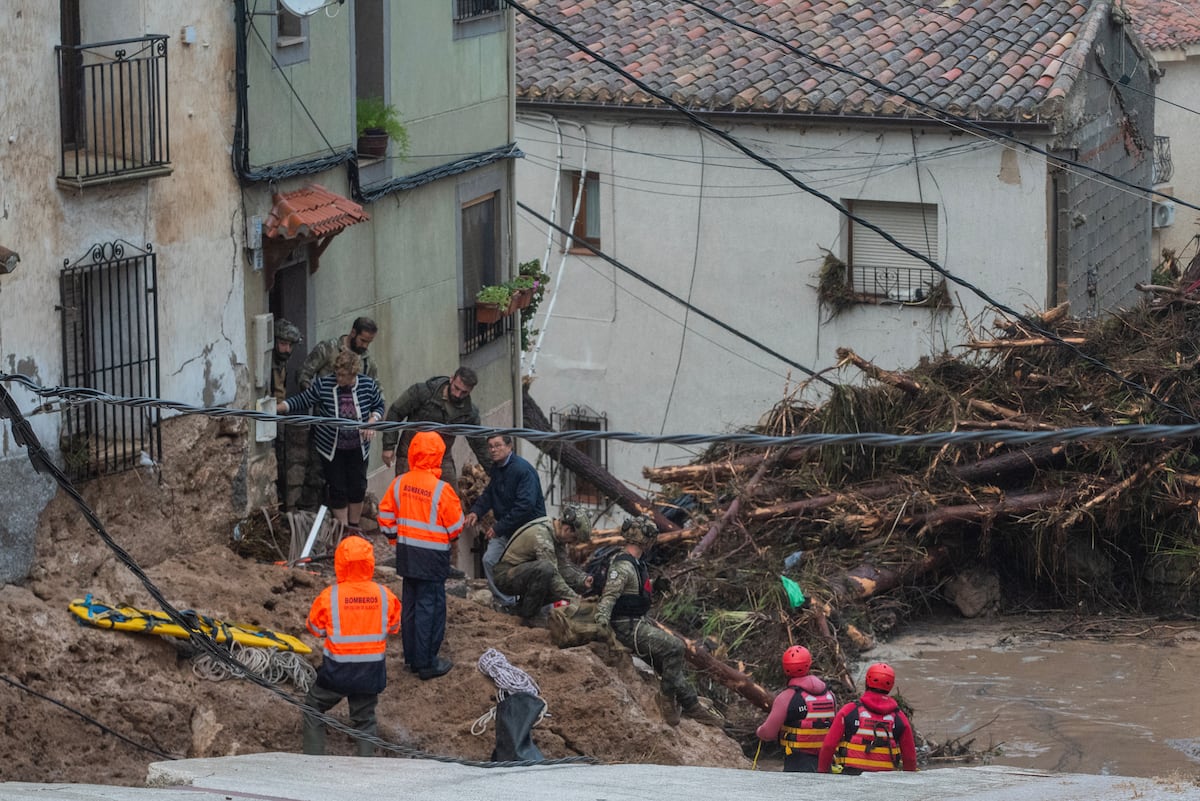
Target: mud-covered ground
[[143, 688]]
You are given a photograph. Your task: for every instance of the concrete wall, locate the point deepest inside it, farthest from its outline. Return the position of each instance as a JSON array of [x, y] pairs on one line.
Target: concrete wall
[[1174, 115], [187, 217], [746, 246]]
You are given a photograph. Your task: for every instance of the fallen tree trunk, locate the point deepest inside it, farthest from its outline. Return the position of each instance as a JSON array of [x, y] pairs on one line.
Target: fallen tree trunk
[[898, 380], [1031, 342], [599, 539], [684, 474], [730, 512], [866, 580], [579, 463], [869, 492], [994, 469], [1016, 504], [727, 675]]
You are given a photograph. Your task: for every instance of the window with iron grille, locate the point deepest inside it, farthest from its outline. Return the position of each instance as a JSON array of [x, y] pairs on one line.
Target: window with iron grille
[[477, 17], [575, 488], [470, 9], [877, 270], [109, 305], [1164, 168]]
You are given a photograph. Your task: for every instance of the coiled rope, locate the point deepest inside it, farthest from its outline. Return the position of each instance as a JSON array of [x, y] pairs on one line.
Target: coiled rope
[[509, 680], [275, 666]]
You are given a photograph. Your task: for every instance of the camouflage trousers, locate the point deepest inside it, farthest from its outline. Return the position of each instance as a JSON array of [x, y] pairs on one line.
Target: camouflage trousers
[[534, 583], [662, 651]]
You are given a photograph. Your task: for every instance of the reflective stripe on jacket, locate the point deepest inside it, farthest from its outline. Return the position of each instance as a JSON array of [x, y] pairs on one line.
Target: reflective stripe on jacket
[[420, 514], [354, 616], [869, 743], [808, 718]]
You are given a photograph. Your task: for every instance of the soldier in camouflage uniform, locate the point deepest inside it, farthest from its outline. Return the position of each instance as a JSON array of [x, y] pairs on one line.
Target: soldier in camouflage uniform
[[287, 335], [319, 361], [624, 605], [535, 565]]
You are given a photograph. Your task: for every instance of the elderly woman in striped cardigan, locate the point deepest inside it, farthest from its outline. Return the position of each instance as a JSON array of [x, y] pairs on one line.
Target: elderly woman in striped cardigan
[[349, 394]]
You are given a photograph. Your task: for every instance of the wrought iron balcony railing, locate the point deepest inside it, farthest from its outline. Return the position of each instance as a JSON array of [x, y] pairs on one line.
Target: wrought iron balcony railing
[[113, 104], [470, 9]]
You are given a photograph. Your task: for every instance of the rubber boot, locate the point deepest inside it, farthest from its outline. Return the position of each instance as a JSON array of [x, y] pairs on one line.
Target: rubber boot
[[669, 709], [702, 711]]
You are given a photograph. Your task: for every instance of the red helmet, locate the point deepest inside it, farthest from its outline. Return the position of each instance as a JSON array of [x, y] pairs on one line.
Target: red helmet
[[880, 677], [796, 661]]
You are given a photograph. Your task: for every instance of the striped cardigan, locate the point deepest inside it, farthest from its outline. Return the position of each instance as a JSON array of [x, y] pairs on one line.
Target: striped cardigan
[[321, 396]]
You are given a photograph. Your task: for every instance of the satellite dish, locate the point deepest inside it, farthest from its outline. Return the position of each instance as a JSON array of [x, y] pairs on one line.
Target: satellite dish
[[303, 8]]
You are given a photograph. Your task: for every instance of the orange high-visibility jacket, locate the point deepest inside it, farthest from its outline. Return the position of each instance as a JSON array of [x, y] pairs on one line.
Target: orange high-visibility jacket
[[354, 616], [420, 513]]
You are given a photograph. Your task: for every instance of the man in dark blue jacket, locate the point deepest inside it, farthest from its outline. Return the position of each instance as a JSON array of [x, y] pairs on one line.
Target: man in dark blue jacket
[[514, 496]]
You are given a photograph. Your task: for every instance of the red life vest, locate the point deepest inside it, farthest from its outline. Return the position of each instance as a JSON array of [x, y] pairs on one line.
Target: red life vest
[[870, 741], [808, 718]]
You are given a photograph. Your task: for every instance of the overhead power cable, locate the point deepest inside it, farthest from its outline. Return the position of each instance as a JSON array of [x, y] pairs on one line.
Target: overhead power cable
[[87, 718], [936, 439], [961, 121], [916, 254]]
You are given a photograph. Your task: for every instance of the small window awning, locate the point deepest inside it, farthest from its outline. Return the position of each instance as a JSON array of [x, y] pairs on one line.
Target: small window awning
[[305, 221], [311, 212]]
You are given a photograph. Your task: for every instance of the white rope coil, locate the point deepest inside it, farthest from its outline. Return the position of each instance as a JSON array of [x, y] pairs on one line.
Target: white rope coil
[[275, 666], [509, 679]]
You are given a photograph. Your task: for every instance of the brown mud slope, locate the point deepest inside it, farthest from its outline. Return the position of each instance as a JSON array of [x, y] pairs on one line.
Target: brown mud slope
[[141, 686]]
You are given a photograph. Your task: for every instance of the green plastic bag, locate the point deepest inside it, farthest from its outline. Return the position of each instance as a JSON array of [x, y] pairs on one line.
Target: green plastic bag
[[794, 593]]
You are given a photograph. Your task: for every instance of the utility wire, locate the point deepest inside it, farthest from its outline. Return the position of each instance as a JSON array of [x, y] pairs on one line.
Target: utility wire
[[1133, 433], [753, 155], [87, 718]]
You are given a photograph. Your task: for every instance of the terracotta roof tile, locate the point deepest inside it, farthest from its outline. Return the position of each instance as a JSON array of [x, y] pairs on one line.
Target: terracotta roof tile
[[984, 58], [1164, 25], [311, 211]]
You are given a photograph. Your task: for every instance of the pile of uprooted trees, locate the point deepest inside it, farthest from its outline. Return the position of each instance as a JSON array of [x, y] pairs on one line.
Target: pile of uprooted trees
[[874, 535]]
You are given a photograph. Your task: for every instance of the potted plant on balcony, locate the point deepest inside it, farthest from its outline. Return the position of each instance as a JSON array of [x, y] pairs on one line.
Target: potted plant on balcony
[[522, 290], [492, 303], [376, 122]]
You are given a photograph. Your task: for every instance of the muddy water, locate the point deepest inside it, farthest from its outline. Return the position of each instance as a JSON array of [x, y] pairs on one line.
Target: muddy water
[[1127, 706]]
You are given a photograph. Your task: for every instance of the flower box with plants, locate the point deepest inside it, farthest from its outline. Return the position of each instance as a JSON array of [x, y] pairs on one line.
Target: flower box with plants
[[492, 303], [377, 122], [522, 289]]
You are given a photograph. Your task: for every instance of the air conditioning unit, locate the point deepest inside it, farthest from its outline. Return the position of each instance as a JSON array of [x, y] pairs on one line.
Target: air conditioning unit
[[1162, 213]]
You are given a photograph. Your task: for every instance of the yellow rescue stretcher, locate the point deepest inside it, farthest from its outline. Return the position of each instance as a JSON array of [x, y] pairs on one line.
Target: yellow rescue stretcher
[[148, 621]]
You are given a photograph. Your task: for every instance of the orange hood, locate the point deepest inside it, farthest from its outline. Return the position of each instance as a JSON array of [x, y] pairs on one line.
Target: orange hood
[[426, 452], [354, 560]]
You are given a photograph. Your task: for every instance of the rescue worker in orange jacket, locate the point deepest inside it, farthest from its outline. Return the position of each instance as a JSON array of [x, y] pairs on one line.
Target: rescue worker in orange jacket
[[872, 733], [421, 515], [801, 713], [354, 616]]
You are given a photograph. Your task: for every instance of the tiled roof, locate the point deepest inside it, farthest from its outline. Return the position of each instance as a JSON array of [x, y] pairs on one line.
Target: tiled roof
[[986, 59], [1166, 24], [311, 211]]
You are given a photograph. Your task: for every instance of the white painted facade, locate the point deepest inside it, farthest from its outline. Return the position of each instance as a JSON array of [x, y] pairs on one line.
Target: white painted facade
[[187, 217], [744, 245], [1178, 93]]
